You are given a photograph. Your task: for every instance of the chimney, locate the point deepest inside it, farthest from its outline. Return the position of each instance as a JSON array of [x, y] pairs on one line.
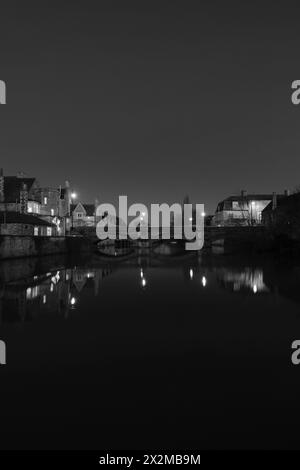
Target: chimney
[[274, 201], [243, 193], [1, 185], [23, 199], [286, 192], [67, 198]]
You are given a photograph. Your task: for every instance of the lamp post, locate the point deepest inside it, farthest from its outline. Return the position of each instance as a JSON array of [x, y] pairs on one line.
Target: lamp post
[[73, 197]]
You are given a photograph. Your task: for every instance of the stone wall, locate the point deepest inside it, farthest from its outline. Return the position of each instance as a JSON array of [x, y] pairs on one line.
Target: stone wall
[[19, 246], [16, 229]]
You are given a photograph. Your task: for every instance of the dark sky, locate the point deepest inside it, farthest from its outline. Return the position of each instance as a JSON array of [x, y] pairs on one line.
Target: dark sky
[[151, 99]]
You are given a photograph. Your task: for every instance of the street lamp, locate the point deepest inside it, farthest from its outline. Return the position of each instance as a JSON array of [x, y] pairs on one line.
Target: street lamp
[[73, 197]]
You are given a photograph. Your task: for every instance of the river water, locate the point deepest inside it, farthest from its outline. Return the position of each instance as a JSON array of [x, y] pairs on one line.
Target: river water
[[171, 352]]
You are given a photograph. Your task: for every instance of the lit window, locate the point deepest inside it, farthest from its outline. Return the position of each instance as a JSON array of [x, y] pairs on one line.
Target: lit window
[[52, 212], [45, 200], [49, 231], [35, 231]]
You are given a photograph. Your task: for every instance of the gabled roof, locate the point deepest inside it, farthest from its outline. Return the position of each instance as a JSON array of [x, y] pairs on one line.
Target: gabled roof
[[284, 202], [17, 218], [13, 186], [89, 208], [243, 200]]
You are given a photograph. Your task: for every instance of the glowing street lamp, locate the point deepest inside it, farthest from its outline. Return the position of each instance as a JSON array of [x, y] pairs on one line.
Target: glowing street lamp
[[73, 197]]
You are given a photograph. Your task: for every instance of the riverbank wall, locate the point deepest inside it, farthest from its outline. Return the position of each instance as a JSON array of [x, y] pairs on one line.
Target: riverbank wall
[[24, 246]]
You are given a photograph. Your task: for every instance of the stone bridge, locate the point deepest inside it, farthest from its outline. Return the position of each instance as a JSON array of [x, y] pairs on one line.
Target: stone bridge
[[226, 236]]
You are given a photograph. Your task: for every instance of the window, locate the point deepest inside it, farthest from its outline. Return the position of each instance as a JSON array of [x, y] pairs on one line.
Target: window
[[52, 212], [79, 215], [235, 205], [49, 231], [45, 200], [33, 207], [35, 231]]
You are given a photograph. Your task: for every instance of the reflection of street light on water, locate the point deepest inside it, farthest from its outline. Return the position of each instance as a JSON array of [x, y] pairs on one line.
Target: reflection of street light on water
[[143, 279], [191, 274]]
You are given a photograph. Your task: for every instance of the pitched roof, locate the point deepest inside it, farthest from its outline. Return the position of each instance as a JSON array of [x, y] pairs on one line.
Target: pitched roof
[[13, 186], [284, 201], [17, 218], [89, 208]]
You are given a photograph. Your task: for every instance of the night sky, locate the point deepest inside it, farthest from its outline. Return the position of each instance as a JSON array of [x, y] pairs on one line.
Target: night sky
[[155, 100]]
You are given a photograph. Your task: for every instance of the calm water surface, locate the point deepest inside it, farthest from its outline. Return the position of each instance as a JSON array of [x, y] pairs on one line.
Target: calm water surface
[[149, 353]]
